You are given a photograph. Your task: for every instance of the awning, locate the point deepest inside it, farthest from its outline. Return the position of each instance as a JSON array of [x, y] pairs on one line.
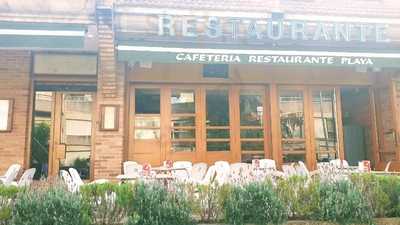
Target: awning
[[137, 53], [42, 35]]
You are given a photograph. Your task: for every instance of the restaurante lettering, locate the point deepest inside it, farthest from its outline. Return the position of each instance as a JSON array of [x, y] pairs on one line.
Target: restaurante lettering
[[272, 59], [270, 29]]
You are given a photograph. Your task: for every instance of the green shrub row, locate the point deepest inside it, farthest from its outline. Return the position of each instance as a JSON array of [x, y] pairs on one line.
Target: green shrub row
[[354, 201]]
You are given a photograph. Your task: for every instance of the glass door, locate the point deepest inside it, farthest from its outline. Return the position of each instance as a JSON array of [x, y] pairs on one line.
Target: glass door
[[62, 132], [252, 124], [292, 122], [183, 125], [76, 132], [146, 126]]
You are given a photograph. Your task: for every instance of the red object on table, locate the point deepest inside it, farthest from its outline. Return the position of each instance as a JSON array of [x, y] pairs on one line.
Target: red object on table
[[367, 165], [146, 169], [169, 164], [257, 163]]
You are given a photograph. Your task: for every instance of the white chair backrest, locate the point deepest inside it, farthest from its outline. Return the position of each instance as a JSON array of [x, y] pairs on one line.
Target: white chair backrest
[[289, 170], [339, 163], [76, 178], [268, 164], [301, 169], [240, 173], [223, 170], [66, 177], [182, 175], [387, 168], [199, 170], [132, 168], [182, 164], [11, 174], [27, 178], [211, 173]]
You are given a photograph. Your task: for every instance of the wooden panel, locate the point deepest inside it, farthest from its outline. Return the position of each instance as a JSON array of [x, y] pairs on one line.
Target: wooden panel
[[275, 125], [251, 74]]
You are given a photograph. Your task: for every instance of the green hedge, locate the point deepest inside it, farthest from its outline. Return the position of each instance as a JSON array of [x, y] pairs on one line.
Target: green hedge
[[255, 203], [53, 206], [7, 198], [357, 200]]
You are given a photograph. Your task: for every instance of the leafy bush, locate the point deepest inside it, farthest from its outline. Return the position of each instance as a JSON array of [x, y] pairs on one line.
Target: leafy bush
[[109, 204], [255, 203], [299, 195], [207, 201], [390, 185], [7, 196], [342, 203], [372, 188], [153, 205], [53, 206]]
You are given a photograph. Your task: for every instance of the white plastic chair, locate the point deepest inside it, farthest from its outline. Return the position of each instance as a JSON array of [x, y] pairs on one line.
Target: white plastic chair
[[132, 168], [210, 175], [78, 180], [10, 175], [240, 173], [26, 178], [222, 169], [268, 164], [339, 163], [387, 168], [66, 177], [198, 172], [288, 170], [183, 175]]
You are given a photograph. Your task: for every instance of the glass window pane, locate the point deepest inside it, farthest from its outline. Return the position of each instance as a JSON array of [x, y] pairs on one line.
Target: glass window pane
[[147, 101], [289, 158], [217, 104], [251, 109], [252, 133], [183, 146], [218, 146], [252, 146], [183, 101], [142, 121], [217, 133], [292, 114], [183, 121], [146, 134], [183, 134]]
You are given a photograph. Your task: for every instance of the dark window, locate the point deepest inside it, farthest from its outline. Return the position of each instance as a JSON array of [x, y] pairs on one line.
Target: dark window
[[216, 70]]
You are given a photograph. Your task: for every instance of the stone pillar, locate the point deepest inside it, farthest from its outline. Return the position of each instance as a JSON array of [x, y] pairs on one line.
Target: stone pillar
[[108, 145]]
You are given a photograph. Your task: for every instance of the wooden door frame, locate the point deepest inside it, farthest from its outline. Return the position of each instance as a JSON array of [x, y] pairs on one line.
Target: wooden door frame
[[264, 91], [131, 118], [308, 121], [201, 154], [192, 156], [55, 132]]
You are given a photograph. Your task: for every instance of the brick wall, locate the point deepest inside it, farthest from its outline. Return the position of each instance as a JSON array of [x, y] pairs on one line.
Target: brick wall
[[15, 83], [109, 145]]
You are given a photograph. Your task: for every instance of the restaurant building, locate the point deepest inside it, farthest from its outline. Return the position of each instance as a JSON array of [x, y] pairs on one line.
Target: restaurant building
[[90, 84]]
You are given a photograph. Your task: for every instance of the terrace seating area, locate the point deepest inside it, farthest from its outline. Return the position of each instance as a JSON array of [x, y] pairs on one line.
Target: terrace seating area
[[222, 172]]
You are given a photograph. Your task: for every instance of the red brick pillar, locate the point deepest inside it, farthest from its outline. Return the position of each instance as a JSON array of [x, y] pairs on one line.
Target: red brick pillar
[[109, 145]]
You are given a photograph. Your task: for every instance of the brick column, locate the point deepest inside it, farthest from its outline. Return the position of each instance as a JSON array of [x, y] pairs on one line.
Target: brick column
[[108, 145], [15, 83]]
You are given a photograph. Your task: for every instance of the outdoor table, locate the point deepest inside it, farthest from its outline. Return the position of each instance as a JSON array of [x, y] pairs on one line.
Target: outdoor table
[[123, 178], [385, 173], [164, 169]]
